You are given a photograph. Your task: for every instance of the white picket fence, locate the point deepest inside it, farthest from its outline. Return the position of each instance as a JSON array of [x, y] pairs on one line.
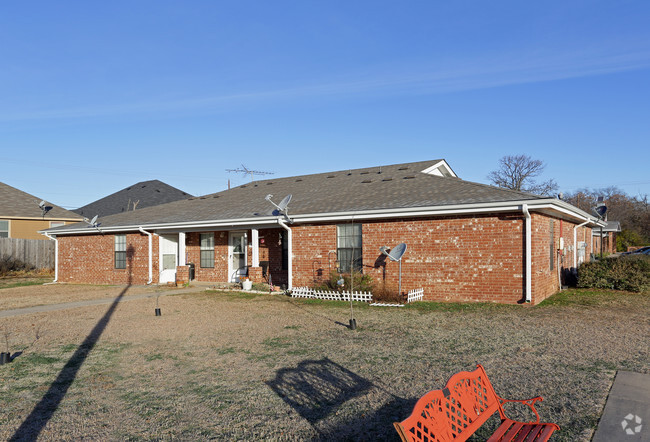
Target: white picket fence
[[306, 292], [415, 295]]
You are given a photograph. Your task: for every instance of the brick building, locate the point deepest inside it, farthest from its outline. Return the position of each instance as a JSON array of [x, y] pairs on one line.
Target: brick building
[[466, 241]]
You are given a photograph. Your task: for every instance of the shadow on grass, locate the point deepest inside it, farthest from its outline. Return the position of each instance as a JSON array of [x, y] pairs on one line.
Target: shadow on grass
[[317, 389], [42, 413]]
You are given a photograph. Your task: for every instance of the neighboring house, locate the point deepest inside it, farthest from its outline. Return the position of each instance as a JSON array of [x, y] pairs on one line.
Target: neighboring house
[[606, 237], [21, 216], [137, 196], [466, 241]]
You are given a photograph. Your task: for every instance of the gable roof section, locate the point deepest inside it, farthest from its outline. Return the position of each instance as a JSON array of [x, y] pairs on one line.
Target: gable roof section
[[16, 204], [143, 194], [359, 193]]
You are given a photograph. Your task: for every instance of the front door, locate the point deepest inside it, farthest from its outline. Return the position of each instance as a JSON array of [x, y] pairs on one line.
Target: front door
[[168, 258], [237, 255]]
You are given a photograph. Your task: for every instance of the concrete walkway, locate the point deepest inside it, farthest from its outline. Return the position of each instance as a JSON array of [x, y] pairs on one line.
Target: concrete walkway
[[75, 304], [627, 412]]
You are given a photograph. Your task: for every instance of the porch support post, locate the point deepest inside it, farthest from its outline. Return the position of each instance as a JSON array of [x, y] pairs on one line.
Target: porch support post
[[256, 248], [181, 249]]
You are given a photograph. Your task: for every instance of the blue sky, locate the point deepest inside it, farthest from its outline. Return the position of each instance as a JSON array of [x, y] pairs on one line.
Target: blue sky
[[97, 96]]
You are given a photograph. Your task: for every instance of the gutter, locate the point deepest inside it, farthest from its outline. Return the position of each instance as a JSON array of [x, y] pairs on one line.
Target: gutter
[[575, 243], [529, 253], [56, 257], [290, 253], [150, 253], [495, 207]]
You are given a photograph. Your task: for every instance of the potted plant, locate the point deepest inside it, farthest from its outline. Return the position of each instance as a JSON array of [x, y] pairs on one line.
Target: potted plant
[[247, 284]]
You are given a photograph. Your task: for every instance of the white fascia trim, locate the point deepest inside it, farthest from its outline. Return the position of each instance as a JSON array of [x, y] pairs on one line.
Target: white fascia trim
[[439, 164], [498, 207]]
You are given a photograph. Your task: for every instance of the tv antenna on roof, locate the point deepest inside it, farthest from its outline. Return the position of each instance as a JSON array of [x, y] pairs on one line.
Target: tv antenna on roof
[[396, 255], [282, 207], [246, 171]]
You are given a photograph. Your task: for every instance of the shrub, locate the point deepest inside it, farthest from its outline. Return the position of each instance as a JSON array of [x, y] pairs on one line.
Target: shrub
[[9, 265], [362, 283], [384, 292], [630, 273]]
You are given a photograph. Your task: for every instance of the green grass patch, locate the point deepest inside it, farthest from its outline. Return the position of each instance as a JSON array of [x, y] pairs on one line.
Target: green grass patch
[[9, 284], [226, 350], [279, 342], [592, 297], [430, 306]]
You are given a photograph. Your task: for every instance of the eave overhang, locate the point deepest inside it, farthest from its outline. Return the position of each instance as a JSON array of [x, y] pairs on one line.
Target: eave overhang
[[549, 206]]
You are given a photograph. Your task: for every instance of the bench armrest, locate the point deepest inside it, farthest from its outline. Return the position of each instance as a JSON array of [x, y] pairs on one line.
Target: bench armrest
[[529, 402]]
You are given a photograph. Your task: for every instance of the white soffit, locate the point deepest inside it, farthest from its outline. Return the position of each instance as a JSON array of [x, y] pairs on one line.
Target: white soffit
[[441, 168]]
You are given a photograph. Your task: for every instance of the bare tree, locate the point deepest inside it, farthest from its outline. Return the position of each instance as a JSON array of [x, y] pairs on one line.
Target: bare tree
[[518, 172]]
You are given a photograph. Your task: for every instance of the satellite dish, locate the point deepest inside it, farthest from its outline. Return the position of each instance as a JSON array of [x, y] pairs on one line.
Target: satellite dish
[[94, 220], [397, 252], [284, 203], [601, 211], [41, 204], [282, 207]]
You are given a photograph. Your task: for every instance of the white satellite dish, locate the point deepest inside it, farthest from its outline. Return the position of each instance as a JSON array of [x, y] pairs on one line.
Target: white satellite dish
[[396, 255], [284, 203], [41, 204], [397, 252], [94, 220], [282, 207]]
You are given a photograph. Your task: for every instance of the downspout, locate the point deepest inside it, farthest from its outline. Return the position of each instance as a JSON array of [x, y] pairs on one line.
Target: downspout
[[56, 257], [575, 243], [529, 254], [290, 253], [150, 235]]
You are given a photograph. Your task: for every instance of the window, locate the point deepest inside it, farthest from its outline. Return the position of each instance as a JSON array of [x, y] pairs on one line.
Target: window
[[56, 223], [349, 250], [207, 250], [120, 251], [4, 229]]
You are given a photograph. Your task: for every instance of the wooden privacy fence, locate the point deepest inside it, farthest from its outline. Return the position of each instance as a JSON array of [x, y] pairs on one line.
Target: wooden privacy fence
[[35, 252]]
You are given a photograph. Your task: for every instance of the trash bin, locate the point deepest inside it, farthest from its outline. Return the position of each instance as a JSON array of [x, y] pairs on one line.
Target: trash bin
[[191, 266]]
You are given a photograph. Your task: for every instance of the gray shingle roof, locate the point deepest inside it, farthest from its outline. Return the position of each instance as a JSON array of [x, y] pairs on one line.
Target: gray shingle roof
[[396, 186], [143, 194], [15, 203]]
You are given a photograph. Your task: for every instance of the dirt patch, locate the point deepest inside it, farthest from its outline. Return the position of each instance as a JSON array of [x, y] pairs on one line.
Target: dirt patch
[[244, 366], [34, 295]]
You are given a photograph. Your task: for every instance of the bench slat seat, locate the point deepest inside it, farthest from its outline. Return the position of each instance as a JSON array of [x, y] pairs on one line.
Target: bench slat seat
[[462, 407]]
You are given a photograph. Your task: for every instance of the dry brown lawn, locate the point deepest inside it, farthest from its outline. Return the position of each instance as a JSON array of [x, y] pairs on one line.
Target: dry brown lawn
[[260, 367]]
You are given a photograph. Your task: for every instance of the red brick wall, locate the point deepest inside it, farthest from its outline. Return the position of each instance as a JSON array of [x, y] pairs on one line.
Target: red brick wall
[[91, 259], [452, 258], [545, 281], [218, 273], [467, 258]]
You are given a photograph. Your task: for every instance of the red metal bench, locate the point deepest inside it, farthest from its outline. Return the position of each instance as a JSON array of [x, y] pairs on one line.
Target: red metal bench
[[462, 407]]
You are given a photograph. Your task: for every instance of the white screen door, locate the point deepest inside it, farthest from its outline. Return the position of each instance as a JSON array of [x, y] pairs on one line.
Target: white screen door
[[168, 258], [237, 255]]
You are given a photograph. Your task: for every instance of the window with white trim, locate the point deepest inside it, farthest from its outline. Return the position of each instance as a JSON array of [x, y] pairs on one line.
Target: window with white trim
[[57, 223], [4, 229], [207, 250], [120, 251], [349, 247]]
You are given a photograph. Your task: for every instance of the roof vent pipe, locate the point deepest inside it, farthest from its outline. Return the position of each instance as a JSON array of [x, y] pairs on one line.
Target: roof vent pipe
[[529, 254], [150, 253]]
